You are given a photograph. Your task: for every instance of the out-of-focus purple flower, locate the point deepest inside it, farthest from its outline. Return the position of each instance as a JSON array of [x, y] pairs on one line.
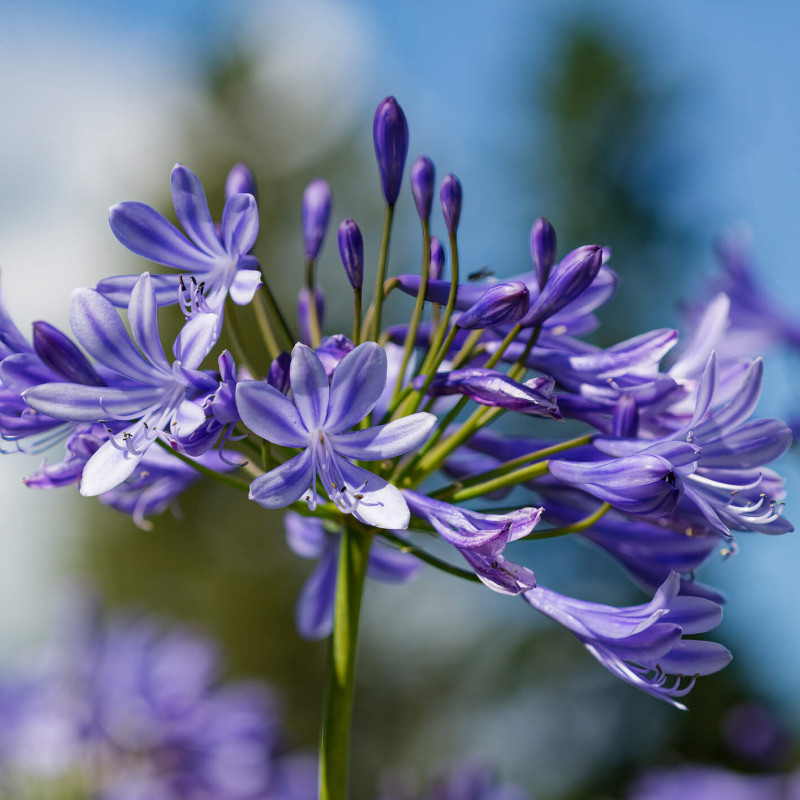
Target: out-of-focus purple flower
[[543, 249], [304, 310], [316, 214], [219, 261], [150, 390], [351, 250], [754, 732], [422, 179], [241, 180], [308, 538], [492, 388], [451, 196], [437, 260], [501, 304], [390, 134], [644, 645], [467, 781], [319, 420], [713, 783], [481, 539]]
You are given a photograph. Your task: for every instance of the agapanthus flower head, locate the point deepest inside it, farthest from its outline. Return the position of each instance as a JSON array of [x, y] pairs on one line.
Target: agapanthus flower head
[[543, 249], [318, 419], [241, 180], [219, 259], [390, 134], [351, 250], [422, 179], [501, 304], [451, 196], [316, 215]]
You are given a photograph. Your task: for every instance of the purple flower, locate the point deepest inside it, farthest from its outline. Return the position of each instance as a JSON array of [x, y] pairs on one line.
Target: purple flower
[[451, 196], [308, 538], [316, 213], [240, 180], [543, 249], [149, 390], [390, 134], [319, 420], [422, 176], [643, 645], [351, 250], [481, 539], [713, 783], [219, 261], [466, 781], [501, 304]]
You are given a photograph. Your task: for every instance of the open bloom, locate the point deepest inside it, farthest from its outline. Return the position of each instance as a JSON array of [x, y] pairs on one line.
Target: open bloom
[[319, 420]]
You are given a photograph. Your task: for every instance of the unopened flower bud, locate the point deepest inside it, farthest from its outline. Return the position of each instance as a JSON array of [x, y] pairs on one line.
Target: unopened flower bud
[[422, 177], [501, 304], [390, 133], [241, 180], [59, 353], [543, 249], [351, 249], [316, 213], [451, 196], [569, 278], [437, 260]]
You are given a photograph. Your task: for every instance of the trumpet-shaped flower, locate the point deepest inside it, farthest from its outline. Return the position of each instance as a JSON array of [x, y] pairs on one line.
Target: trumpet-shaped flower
[[319, 420]]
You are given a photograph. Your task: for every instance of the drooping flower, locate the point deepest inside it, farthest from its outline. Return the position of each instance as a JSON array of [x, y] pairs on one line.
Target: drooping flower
[[153, 392], [308, 538], [643, 645], [219, 261], [319, 419]]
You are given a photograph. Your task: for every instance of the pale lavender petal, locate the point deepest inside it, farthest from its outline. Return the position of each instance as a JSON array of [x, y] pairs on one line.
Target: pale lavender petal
[[385, 441], [99, 329], [107, 469], [707, 337], [188, 417], [755, 443], [21, 371], [265, 411], [79, 403], [694, 614], [118, 290], [705, 392], [145, 232], [245, 285], [191, 208], [240, 224], [739, 408], [309, 386], [383, 506], [356, 386], [500, 574], [305, 536], [143, 317], [196, 338], [314, 611], [285, 484], [692, 657]]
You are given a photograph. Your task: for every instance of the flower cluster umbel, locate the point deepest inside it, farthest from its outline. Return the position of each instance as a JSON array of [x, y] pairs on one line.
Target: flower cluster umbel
[[388, 431]]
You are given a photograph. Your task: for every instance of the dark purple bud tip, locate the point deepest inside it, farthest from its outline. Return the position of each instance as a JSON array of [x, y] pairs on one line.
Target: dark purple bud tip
[[437, 260], [422, 177], [502, 304], [316, 213], [241, 180], [543, 249], [59, 353], [390, 132], [351, 249], [451, 196]]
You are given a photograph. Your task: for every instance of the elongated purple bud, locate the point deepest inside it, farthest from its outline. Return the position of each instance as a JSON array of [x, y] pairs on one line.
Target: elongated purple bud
[[437, 260], [278, 375], [241, 180], [390, 133], [451, 196], [501, 304], [569, 278], [61, 354], [316, 213], [422, 178], [351, 249], [543, 249], [304, 310]]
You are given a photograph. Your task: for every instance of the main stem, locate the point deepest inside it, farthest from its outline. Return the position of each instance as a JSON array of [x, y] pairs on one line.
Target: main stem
[[334, 745]]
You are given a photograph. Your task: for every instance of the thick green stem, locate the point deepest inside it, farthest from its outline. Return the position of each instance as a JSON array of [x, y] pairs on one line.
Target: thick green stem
[[334, 745], [356, 314], [503, 482], [265, 299], [383, 259]]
